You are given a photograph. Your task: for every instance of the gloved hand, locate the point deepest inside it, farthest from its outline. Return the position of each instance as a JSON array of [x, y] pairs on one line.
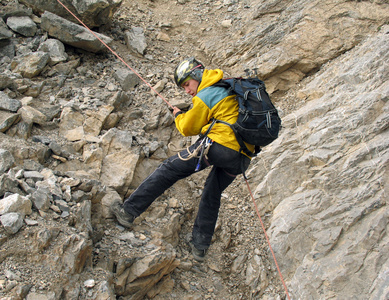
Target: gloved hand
[[176, 111]]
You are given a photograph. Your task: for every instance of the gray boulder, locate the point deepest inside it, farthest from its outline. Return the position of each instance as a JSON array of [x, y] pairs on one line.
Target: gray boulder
[[23, 25], [7, 119], [93, 13], [6, 160], [136, 40], [9, 104], [5, 33], [127, 78], [12, 222], [56, 50], [73, 34]]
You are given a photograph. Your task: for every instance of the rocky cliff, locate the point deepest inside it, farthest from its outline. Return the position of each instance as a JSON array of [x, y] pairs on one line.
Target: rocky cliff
[[79, 130]]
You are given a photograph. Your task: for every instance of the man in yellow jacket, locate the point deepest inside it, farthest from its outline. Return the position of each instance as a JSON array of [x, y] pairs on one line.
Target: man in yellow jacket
[[216, 147]]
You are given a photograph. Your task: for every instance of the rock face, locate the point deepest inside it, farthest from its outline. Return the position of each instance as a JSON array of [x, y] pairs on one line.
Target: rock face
[[79, 130], [327, 179], [287, 40]]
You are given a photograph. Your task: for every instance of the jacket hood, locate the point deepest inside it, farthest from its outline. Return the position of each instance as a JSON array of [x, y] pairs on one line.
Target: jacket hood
[[210, 77]]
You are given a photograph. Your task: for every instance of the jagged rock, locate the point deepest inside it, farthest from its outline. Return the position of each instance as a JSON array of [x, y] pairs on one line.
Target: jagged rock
[[116, 140], [126, 78], [37, 152], [152, 122], [112, 120], [110, 197], [12, 222], [5, 33], [32, 165], [52, 186], [64, 68], [7, 49], [93, 158], [8, 184], [162, 36], [104, 290], [15, 203], [120, 100], [238, 263], [14, 9], [132, 239], [180, 103], [42, 139], [9, 104], [118, 170], [31, 64], [41, 199], [57, 149], [73, 34], [82, 217], [172, 228], [21, 129], [31, 115], [7, 80], [74, 255], [7, 161], [166, 119], [93, 13], [136, 40], [33, 175], [141, 276], [62, 205], [256, 276], [40, 296], [95, 120], [56, 50], [23, 25], [71, 124], [165, 286]]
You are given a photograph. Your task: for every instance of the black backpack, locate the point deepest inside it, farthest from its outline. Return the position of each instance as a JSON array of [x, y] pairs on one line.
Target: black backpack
[[258, 121]]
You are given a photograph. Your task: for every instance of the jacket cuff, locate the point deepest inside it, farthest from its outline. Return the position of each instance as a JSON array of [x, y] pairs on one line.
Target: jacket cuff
[[178, 113]]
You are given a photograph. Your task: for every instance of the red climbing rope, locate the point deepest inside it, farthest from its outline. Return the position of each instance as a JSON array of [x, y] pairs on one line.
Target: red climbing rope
[[267, 239], [248, 186]]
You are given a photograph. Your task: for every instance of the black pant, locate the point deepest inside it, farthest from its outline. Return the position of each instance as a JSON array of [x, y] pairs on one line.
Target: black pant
[[226, 163]]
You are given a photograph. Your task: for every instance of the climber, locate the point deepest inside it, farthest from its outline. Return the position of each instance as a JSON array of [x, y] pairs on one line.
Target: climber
[[216, 147]]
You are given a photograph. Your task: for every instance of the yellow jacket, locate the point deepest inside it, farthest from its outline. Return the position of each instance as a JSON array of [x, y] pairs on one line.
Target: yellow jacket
[[211, 102]]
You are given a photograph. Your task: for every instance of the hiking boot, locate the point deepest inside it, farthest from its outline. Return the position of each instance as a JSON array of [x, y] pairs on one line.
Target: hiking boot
[[198, 255], [124, 218]]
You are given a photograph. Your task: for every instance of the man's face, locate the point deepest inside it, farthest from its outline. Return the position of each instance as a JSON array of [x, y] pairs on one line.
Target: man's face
[[190, 86]]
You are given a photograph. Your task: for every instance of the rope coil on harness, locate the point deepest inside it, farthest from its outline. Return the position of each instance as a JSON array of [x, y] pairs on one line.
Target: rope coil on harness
[[205, 144]]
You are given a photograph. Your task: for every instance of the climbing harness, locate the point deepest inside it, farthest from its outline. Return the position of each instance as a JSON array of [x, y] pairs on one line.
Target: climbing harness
[[200, 151], [203, 147]]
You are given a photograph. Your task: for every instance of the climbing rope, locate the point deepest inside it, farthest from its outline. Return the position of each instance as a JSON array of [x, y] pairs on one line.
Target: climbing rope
[[195, 152], [205, 144], [267, 238]]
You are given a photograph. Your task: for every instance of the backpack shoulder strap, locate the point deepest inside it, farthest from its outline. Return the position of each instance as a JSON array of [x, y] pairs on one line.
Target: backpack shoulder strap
[[243, 147]]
